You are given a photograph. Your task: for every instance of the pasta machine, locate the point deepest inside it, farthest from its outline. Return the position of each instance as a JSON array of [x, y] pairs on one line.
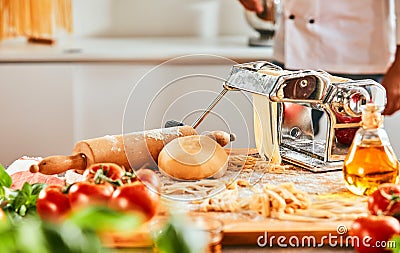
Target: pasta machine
[[296, 94]]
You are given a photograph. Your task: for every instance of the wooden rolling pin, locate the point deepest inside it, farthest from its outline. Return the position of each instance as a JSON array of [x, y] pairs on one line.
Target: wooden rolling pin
[[131, 151]]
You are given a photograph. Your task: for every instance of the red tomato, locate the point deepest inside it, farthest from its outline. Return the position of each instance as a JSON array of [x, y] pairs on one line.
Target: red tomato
[[373, 233], [85, 194], [385, 200], [52, 204], [149, 178], [135, 198], [110, 170]]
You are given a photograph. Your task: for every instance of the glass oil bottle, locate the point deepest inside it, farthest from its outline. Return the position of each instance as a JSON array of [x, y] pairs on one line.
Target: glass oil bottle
[[371, 160]]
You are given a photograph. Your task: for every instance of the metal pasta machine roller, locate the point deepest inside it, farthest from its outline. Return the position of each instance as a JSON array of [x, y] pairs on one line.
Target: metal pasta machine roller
[[297, 93]]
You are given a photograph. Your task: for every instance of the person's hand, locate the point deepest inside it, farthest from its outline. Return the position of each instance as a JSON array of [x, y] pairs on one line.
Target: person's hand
[[252, 5], [391, 82]]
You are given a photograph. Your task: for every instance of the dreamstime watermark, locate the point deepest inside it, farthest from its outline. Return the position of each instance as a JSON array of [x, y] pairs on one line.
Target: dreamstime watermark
[[339, 239]]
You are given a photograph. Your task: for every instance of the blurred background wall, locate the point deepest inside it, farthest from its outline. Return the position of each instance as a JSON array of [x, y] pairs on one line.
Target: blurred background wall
[[127, 18]]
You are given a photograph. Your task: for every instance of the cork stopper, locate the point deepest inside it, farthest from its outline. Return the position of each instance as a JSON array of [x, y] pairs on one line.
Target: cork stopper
[[371, 116]]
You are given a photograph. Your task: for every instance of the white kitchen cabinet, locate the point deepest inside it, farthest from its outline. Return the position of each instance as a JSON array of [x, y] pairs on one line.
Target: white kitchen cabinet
[[35, 110]]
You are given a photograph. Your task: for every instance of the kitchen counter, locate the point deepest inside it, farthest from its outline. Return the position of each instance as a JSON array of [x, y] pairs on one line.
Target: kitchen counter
[[152, 49]]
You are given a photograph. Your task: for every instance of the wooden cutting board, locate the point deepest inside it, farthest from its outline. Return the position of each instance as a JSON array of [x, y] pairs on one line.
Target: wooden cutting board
[[239, 231], [269, 230], [243, 229]]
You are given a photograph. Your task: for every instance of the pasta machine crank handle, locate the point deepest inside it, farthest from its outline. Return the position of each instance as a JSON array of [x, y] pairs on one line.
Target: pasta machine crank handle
[[211, 106], [173, 123]]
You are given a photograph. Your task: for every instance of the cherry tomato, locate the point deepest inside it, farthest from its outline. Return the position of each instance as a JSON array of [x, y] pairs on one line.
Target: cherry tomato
[[52, 204], [373, 233], [149, 178], [110, 170], [85, 194], [135, 198], [385, 200]]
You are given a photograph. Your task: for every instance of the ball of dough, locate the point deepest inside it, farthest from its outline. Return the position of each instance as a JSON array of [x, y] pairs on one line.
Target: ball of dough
[[192, 158]]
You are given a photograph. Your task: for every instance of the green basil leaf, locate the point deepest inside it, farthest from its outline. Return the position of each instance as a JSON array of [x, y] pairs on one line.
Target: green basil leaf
[[69, 238], [22, 210], [21, 198], [5, 179], [103, 218], [2, 193], [23, 201], [36, 188], [26, 189], [17, 202], [172, 240]]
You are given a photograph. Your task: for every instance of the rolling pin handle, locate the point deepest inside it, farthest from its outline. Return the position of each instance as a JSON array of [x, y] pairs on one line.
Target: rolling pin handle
[[34, 168], [52, 165], [84, 159]]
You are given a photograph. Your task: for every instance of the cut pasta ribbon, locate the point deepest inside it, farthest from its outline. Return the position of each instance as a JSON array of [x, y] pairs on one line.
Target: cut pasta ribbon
[[283, 202], [266, 128]]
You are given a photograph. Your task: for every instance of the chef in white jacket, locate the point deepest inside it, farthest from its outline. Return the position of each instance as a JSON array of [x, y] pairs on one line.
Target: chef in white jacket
[[356, 37]]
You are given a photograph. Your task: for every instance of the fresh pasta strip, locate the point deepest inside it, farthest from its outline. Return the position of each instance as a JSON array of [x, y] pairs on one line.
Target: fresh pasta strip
[[223, 202], [245, 162], [202, 187], [284, 202], [266, 128], [266, 202], [261, 205]]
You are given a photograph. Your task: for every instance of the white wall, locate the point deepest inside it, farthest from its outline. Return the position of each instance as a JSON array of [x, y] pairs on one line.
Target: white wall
[[204, 18]]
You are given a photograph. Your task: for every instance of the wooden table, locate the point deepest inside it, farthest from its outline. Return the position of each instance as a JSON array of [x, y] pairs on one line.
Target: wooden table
[[244, 235]]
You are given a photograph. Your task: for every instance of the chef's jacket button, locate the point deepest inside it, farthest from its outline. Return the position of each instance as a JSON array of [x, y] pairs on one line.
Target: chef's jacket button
[[291, 16], [311, 21]]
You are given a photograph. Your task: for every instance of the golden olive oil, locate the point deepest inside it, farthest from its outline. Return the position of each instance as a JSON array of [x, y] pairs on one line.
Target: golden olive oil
[[371, 160], [368, 166]]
